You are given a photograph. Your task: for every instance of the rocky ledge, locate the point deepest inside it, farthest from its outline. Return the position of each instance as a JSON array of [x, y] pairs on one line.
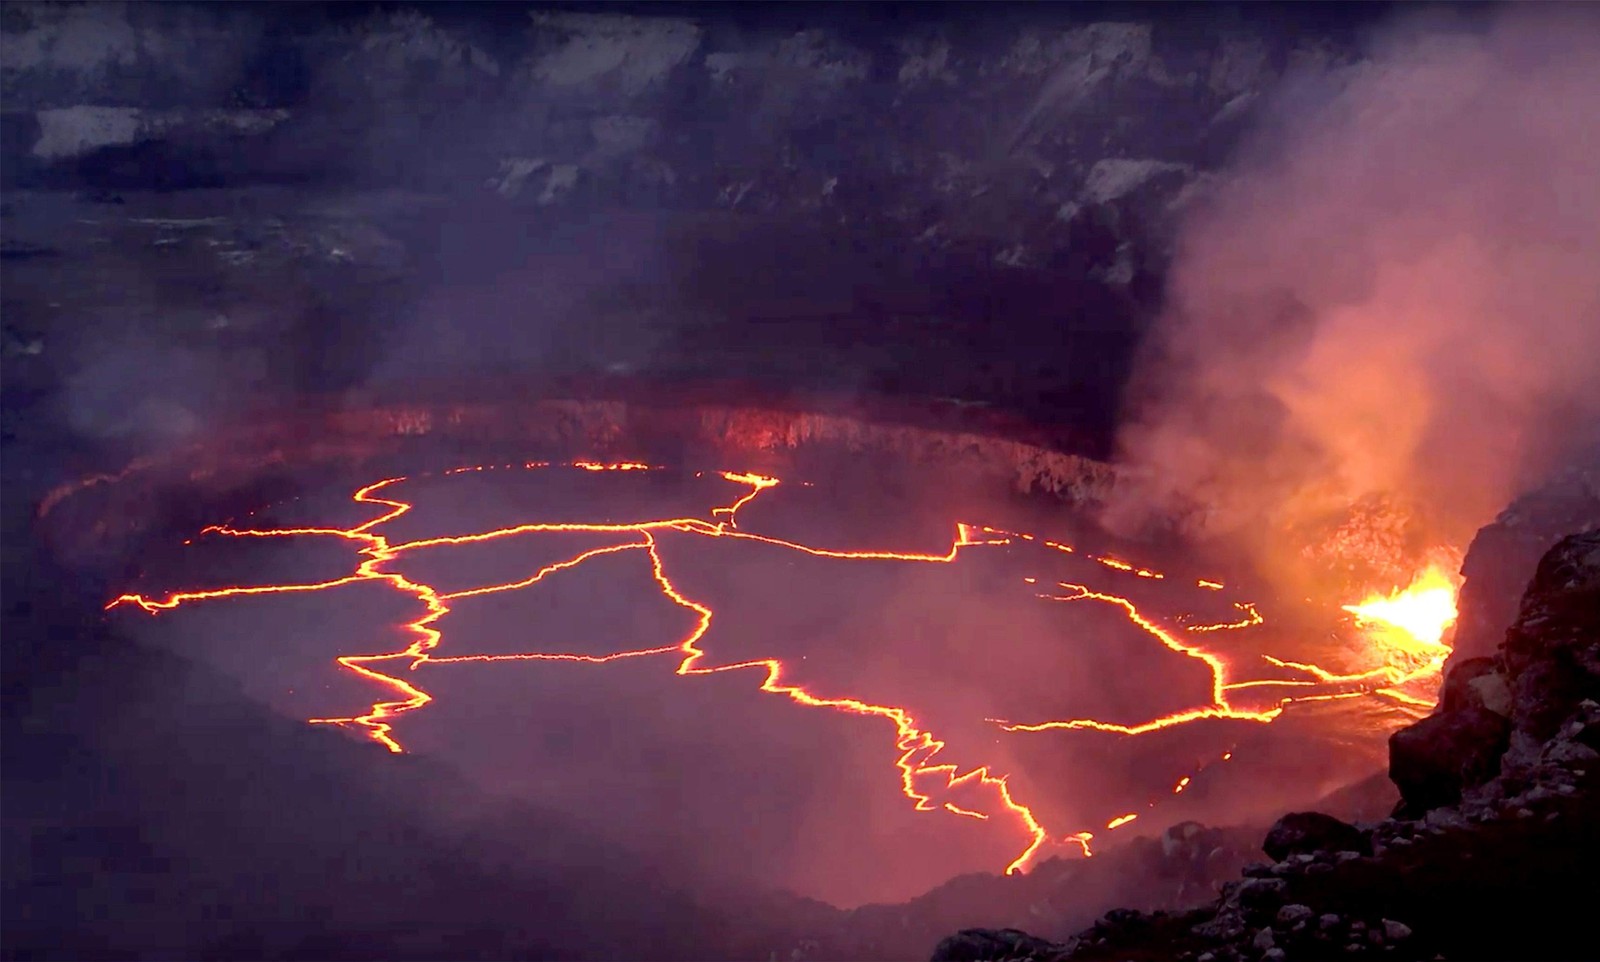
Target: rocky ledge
[[1488, 855]]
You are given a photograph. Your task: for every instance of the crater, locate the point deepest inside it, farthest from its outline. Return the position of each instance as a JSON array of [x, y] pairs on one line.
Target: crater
[[850, 647]]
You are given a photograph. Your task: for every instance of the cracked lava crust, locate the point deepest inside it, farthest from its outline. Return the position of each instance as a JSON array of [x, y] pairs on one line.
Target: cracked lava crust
[[846, 649]]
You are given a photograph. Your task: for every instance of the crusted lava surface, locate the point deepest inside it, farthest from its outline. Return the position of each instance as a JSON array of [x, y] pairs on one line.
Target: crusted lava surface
[[196, 532]]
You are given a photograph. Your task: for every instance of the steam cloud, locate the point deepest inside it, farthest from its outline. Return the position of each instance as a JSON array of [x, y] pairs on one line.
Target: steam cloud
[[1399, 299]]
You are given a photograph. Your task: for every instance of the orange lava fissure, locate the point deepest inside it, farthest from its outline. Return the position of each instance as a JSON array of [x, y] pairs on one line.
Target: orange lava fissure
[[923, 776]]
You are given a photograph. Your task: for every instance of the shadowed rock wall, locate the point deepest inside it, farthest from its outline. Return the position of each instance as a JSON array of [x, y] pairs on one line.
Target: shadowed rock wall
[[1062, 137]]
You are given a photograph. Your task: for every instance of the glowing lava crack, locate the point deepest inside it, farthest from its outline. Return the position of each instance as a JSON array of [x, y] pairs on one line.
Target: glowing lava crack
[[922, 776]]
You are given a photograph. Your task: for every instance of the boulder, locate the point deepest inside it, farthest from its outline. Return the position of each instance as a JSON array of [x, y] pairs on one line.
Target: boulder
[[1465, 685], [1434, 760], [1261, 897], [1310, 832], [1291, 915], [1228, 924], [978, 945]]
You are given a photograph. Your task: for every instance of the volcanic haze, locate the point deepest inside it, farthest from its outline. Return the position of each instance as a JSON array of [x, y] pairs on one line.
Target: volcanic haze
[[1391, 299]]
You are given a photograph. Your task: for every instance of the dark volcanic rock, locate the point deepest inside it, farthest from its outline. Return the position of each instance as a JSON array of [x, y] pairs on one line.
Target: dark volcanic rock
[[1433, 761], [1260, 896], [1503, 555], [1049, 139], [1552, 653], [1464, 685], [1548, 666], [1304, 832], [978, 945]]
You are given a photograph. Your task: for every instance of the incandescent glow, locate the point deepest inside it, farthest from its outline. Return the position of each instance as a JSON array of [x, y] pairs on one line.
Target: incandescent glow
[[1219, 706], [925, 774], [1250, 619], [1131, 569], [1423, 610]]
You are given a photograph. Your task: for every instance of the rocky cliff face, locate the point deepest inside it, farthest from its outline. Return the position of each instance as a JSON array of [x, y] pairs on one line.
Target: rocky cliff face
[[1504, 554], [1054, 138], [1486, 856], [963, 202]]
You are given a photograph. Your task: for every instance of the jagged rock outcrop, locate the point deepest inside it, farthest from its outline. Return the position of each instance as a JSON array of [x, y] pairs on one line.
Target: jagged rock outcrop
[[1552, 653], [1504, 554], [1547, 666], [1441, 878]]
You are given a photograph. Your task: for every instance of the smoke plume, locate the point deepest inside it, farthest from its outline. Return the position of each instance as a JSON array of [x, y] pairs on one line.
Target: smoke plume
[[1392, 302]]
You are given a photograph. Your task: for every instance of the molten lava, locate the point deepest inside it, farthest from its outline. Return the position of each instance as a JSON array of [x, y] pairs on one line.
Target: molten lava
[[926, 777], [1423, 610]]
